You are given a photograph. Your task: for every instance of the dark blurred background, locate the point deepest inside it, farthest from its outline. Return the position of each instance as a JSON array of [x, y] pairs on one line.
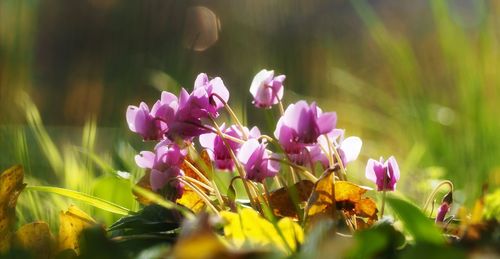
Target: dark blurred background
[[417, 79]]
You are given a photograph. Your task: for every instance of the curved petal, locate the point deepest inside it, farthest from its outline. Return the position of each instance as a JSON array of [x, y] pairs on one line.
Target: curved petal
[[247, 149], [207, 140], [351, 147], [259, 80], [327, 122], [370, 170], [220, 89], [393, 164], [201, 80], [145, 159], [131, 114]]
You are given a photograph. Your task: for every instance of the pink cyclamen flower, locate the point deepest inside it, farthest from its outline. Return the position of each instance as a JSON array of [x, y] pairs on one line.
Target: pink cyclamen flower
[[152, 125], [267, 89], [218, 150], [348, 148], [303, 124], [384, 174], [207, 98], [256, 161], [165, 165]]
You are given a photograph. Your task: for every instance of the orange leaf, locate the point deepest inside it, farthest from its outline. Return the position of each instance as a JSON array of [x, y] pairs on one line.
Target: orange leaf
[[348, 199], [284, 199], [190, 199], [11, 185]]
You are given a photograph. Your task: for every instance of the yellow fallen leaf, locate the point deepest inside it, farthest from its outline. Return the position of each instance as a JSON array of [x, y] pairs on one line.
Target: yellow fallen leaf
[[248, 228], [71, 224], [11, 185], [191, 200], [204, 244], [36, 238]]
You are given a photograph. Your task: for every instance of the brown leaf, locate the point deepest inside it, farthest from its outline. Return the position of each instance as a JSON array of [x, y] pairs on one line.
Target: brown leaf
[[202, 163], [190, 199], [320, 203], [348, 198], [71, 224], [36, 238], [11, 185], [284, 199]]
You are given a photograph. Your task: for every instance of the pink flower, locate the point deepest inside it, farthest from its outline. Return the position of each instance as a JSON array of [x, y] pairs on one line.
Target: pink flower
[[384, 174], [215, 144], [299, 128], [303, 124], [152, 125], [256, 161], [207, 98], [165, 165], [266, 89]]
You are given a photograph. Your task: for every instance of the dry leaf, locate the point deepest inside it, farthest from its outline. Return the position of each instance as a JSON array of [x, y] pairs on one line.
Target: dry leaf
[[11, 185], [72, 222], [348, 198], [282, 200], [190, 199], [36, 238], [320, 202]]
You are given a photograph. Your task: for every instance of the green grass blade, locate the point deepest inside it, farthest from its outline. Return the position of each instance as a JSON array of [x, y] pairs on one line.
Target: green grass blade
[[420, 227], [88, 199]]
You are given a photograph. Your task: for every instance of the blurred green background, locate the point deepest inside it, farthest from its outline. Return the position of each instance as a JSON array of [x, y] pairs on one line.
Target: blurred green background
[[416, 79]]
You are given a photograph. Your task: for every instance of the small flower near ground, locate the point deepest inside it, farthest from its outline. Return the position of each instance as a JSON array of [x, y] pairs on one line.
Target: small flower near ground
[[266, 89], [164, 164], [217, 148], [256, 161], [384, 174]]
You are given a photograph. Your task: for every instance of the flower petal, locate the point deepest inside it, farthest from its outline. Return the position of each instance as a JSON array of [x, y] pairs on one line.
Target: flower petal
[[145, 159], [351, 147]]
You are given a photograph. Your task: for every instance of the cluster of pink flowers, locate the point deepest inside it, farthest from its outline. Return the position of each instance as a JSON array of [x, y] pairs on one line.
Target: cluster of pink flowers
[[306, 135]]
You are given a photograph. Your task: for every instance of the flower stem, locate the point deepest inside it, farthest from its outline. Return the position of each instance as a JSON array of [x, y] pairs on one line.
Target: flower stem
[[194, 181], [210, 182], [306, 173], [384, 194], [233, 115], [435, 191], [239, 168], [280, 105], [197, 172], [200, 194]]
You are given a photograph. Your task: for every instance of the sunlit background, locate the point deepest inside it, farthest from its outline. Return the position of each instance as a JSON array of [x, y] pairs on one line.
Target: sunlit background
[[416, 79]]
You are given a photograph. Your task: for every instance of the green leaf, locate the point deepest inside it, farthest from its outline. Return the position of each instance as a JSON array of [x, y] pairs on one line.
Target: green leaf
[[152, 218], [382, 240], [91, 200], [420, 227]]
